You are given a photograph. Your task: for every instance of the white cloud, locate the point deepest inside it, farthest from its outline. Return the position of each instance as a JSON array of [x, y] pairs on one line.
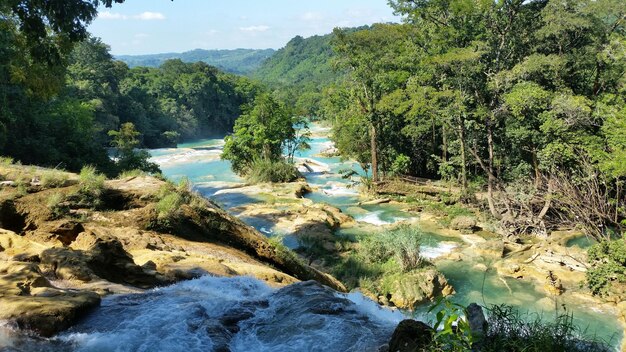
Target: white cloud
[[107, 15], [144, 16], [212, 32], [311, 16], [261, 28], [148, 16], [141, 35]]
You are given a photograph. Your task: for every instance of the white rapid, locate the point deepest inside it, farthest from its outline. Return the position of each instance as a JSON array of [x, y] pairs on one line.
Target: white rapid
[[226, 314]]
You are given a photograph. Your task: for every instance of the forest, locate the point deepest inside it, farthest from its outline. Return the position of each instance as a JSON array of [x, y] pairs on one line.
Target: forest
[[521, 101], [58, 103], [512, 114]]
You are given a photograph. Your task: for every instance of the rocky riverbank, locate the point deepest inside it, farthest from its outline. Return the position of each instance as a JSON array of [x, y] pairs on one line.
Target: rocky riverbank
[[61, 249]]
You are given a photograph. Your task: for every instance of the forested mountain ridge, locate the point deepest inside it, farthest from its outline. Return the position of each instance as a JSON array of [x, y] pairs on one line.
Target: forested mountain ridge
[[238, 61], [300, 70]]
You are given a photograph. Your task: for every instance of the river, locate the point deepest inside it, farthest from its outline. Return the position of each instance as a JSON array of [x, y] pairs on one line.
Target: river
[[244, 314], [199, 161]]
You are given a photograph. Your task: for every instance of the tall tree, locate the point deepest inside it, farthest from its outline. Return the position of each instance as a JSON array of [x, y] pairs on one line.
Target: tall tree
[[377, 60]]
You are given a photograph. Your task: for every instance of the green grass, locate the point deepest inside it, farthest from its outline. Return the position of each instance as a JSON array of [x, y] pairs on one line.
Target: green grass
[[91, 186], [57, 206], [262, 170], [54, 178], [402, 244], [510, 330]]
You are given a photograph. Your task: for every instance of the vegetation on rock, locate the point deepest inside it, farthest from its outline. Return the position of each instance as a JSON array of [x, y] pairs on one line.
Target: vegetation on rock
[[261, 135]]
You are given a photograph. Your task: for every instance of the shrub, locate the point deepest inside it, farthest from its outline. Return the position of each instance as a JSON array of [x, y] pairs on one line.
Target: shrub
[[608, 265], [6, 161], [53, 178], [400, 164], [511, 331], [91, 185], [402, 244], [263, 170], [57, 206], [171, 198], [168, 205], [508, 330]]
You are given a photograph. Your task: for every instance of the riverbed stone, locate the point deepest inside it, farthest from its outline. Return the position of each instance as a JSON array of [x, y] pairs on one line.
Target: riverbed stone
[[464, 223], [31, 301], [411, 289], [410, 336]]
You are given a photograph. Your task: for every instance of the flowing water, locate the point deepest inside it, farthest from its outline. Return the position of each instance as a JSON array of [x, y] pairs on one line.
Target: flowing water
[[243, 314], [225, 314], [211, 175]]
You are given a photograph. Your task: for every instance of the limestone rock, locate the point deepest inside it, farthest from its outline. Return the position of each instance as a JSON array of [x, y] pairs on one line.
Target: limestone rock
[[491, 248], [65, 231], [410, 336], [411, 289], [464, 223], [33, 303], [92, 257], [375, 201]]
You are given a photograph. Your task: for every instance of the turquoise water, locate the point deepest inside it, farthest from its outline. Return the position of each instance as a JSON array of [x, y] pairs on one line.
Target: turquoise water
[[581, 242], [487, 289], [199, 161]]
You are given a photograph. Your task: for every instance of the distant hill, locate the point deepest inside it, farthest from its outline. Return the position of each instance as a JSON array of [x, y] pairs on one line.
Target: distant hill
[[301, 70], [239, 61], [301, 61]]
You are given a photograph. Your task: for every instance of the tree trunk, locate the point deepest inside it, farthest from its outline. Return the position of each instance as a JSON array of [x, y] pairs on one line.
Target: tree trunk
[[491, 177], [536, 167], [444, 155], [463, 157], [548, 201], [374, 152]]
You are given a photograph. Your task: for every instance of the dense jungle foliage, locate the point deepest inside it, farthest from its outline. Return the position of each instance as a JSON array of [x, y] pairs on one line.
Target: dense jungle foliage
[[57, 106]]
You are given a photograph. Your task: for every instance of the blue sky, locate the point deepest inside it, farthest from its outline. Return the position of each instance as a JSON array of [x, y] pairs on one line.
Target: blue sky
[[156, 26]]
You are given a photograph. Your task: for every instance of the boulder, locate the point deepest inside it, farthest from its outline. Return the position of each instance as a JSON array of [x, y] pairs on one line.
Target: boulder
[[410, 336], [411, 289], [476, 320], [464, 223], [93, 257], [65, 231], [29, 300]]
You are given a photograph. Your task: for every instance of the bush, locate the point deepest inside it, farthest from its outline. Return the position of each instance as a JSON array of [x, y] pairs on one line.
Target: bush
[[6, 161], [508, 330], [171, 198], [511, 331], [53, 178], [608, 266], [91, 185], [263, 170], [57, 206], [400, 164], [402, 244]]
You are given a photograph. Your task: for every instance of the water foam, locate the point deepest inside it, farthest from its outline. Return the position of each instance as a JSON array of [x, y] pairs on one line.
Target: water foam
[[235, 314], [441, 249], [375, 218]]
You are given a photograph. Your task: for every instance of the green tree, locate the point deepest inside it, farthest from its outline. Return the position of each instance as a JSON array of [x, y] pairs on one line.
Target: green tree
[[125, 142], [377, 61], [263, 132]]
